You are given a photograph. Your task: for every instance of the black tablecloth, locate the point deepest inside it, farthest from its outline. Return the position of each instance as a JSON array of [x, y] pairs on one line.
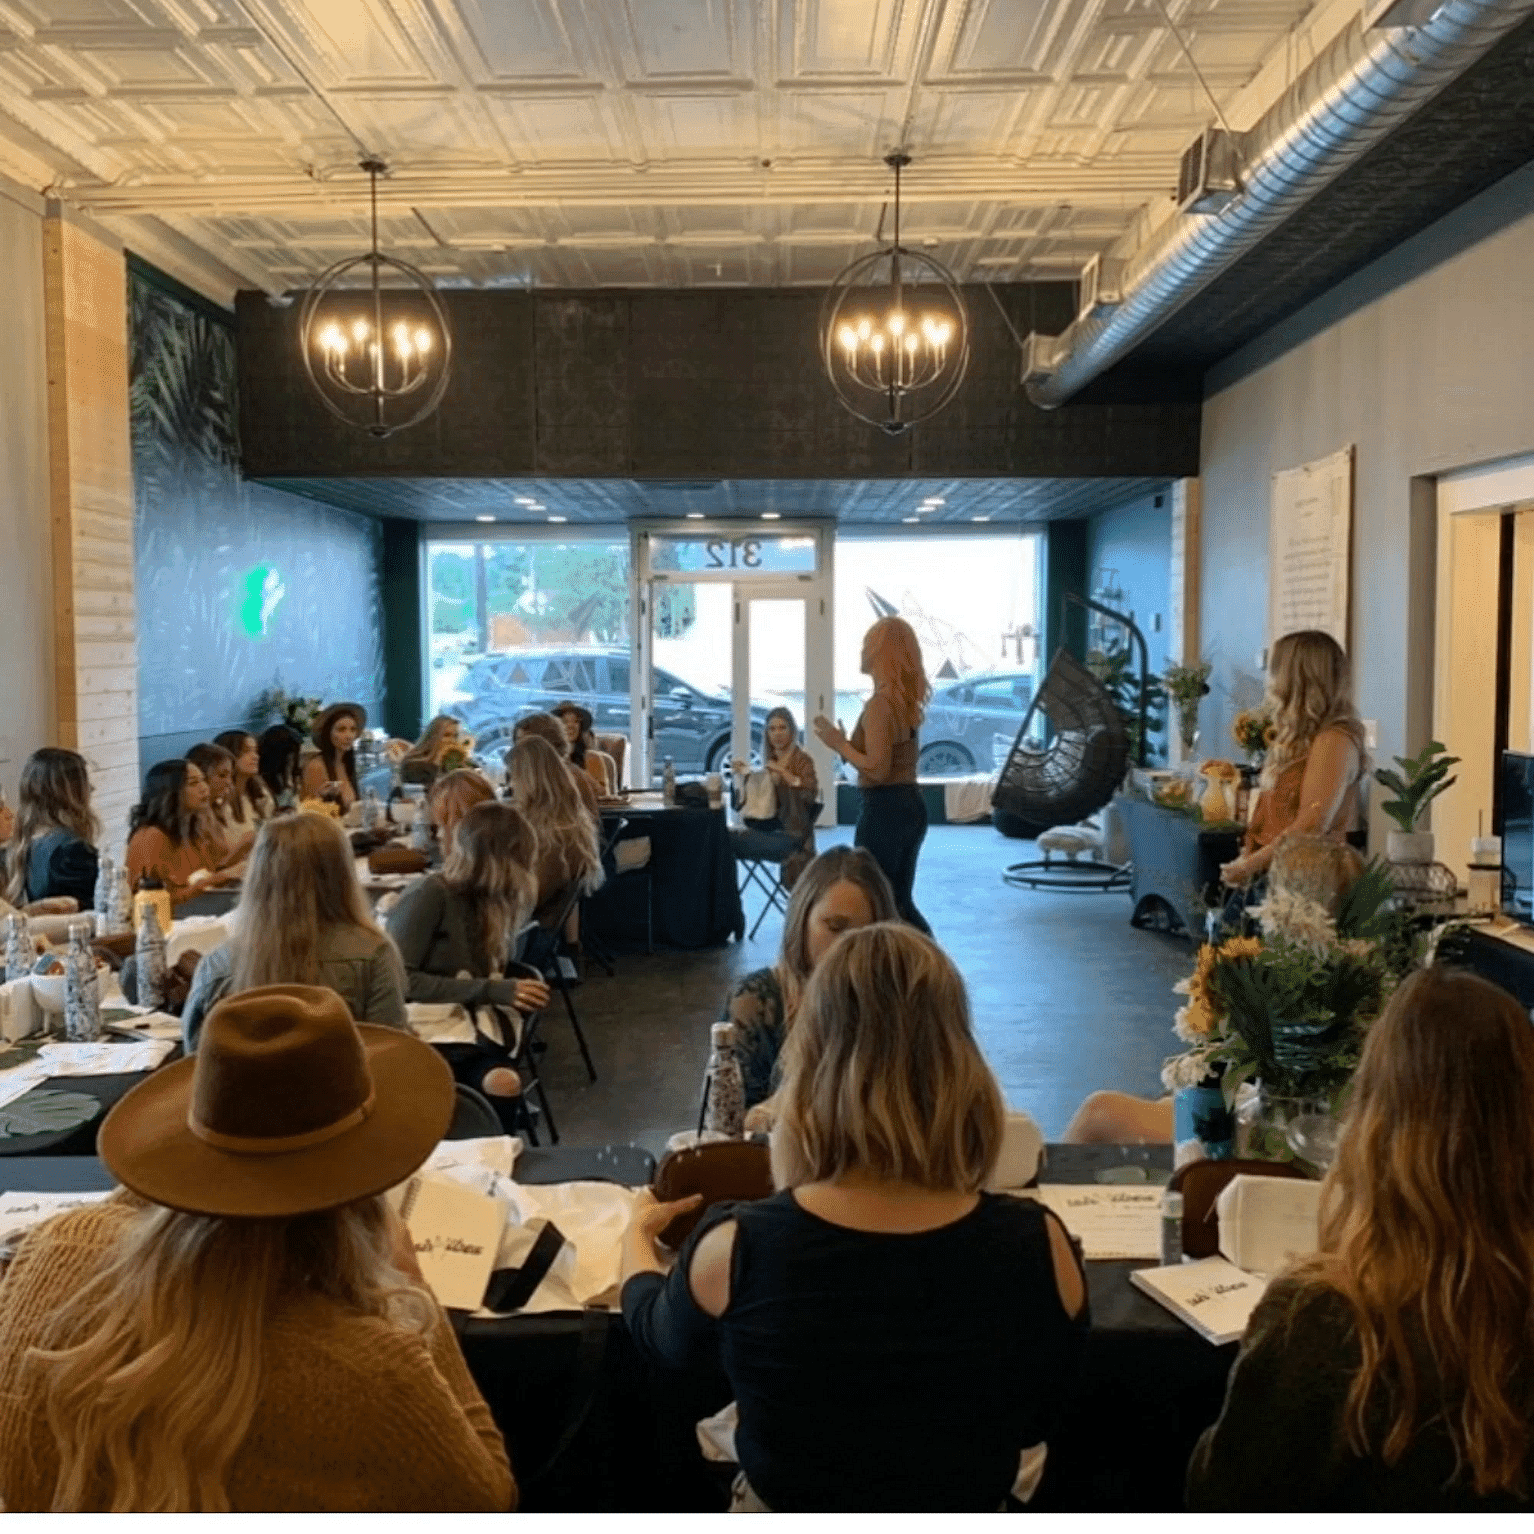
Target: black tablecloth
[[81, 1140], [1176, 863], [1147, 1388], [689, 883]]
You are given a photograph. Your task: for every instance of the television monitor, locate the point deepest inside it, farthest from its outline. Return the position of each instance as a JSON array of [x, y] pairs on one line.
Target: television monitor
[[1518, 832]]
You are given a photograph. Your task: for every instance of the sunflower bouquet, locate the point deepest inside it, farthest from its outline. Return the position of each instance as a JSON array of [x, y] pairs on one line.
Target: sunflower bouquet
[[1254, 731]]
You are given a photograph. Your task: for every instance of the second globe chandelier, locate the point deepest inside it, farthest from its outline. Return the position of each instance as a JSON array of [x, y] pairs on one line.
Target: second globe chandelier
[[894, 332]]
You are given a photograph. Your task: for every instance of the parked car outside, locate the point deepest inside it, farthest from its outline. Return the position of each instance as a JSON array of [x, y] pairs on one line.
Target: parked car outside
[[692, 724], [971, 723]]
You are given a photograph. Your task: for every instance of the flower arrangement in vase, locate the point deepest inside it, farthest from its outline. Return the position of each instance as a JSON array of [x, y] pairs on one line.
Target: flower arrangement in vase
[[1185, 686], [1254, 731], [1287, 1009]]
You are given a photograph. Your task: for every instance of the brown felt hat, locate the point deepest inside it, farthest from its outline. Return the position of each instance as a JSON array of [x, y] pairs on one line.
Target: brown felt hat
[[287, 1108], [322, 723]]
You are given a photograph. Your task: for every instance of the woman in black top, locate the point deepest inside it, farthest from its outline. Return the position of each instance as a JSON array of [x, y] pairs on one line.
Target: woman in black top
[[895, 1337], [280, 750], [1395, 1369], [51, 853]]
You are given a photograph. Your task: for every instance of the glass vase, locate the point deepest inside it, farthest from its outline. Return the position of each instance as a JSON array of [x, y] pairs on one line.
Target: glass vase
[[1272, 1127]]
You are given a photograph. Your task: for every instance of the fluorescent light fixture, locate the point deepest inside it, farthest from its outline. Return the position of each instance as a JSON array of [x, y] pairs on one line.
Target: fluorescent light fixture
[[484, 519], [772, 516], [525, 500], [559, 519], [933, 500], [979, 519], [910, 519], [694, 516]]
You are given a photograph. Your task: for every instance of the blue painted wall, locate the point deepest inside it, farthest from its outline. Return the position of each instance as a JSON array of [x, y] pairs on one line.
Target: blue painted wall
[[240, 588]]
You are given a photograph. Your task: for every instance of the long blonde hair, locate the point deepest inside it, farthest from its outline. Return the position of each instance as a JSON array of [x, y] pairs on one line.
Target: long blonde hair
[[54, 795], [491, 862], [1310, 689], [893, 642], [881, 1072], [152, 1371], [300, 884], [836, 865], [1427, 1227], [545, 792], [428, 747]]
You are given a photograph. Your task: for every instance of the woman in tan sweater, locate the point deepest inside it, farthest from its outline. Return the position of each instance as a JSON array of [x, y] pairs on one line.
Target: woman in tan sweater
[[168, 838], [246, 1329]]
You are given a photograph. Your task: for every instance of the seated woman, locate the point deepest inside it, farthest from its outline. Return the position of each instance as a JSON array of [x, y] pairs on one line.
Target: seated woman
[[1311, 777], [568, 855], [796, 796], [1395, 1369], [331, 772], [452, 796], [245, 1331], [302, 920], [50, 853], [456, 932], [584, 752], [439, 750], [842, 889], [895, 1337], [217, 766], [252, 802], [547, 727], [281, 750], [168, 838]]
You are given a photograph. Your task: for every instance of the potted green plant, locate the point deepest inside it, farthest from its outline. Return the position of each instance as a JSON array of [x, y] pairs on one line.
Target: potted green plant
[[1420, 781]]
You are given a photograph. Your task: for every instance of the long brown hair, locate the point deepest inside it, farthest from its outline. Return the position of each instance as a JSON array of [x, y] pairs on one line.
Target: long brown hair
[[545, 792], [54, 795], [1427, 1227], [300, 885], [453, 795], [1310, 689], [836, 865], [151, 1372], [882, 1074], [254, 792], [491, 861]]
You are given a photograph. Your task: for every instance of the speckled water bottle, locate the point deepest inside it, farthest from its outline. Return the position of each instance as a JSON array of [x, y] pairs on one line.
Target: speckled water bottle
[[102, 902], [18, 947], [82, 998], [726, 1086], [149, 958]]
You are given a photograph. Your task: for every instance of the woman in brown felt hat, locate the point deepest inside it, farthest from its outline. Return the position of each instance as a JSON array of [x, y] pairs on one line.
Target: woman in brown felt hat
[[251, 1333], [333, 767]]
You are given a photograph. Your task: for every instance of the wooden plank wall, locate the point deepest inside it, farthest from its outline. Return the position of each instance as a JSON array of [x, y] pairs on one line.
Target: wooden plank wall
[[91, 494]]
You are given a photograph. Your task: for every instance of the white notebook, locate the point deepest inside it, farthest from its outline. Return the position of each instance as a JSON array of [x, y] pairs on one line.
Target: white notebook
[[1214, 1297], [1111, 1220], [457, 1232]]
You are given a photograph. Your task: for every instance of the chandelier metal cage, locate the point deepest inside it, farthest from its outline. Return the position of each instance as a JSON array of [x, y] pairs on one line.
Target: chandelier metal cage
[[378, 350], [894, 332]]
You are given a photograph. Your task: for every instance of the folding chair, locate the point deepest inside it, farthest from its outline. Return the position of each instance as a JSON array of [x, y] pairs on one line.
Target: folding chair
[[547, 953], [759, 857]]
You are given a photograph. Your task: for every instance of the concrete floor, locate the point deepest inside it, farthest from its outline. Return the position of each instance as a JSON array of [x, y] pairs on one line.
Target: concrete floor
[[1067, 997]]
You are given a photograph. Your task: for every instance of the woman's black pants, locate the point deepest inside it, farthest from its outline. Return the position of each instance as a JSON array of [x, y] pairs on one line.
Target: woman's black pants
[[892, 826]]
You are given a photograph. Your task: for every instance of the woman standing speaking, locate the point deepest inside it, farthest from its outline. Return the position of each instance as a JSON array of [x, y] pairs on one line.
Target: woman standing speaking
[[893, 821]]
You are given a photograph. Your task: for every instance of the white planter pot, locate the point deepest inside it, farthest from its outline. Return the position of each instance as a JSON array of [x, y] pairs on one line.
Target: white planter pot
[[1409, 847]]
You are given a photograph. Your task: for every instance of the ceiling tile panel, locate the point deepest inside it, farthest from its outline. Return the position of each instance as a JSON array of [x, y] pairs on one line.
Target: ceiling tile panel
[[499, 41], [846, 37], [685, 40], [1012, 36], [564, 129]]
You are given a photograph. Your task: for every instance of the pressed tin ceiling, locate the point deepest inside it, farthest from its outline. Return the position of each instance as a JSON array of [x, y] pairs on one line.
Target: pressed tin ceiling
[[581, 143]]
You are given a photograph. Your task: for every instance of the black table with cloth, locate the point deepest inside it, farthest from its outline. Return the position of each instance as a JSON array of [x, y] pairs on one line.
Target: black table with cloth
[[1176, 862], [1148, 1384], [690, 883]]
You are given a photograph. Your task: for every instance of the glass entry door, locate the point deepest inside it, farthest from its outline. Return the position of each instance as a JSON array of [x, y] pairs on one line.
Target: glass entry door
[[732, 624]]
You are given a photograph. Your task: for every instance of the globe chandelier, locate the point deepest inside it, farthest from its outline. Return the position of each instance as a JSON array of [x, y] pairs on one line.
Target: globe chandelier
[[375, 337], [894, 332]]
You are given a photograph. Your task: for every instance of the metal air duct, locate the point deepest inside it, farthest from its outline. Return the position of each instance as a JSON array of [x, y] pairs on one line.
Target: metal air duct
[[1360, 87]]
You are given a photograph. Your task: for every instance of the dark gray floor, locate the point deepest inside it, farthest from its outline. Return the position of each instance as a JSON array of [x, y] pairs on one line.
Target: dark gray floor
[[1067, 997]]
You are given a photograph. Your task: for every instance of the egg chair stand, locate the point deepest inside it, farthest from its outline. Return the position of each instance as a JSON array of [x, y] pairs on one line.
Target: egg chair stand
[[1074, 774]]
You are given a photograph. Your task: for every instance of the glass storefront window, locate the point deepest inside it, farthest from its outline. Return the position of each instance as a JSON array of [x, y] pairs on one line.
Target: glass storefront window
[[974, 603]]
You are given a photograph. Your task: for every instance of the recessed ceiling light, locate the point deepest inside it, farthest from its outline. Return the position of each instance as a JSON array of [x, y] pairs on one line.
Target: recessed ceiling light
[[772, 516], [979, 519], [910, 519], [525, 500], [536, 506], [933, 500], [484, 519], [559, 519], [694, 516]]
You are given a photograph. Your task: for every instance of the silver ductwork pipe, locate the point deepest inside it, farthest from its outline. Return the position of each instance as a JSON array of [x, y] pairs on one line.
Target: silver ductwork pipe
[[1360, 87]]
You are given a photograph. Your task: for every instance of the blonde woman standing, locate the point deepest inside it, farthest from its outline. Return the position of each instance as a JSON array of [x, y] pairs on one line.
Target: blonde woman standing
[[247, 1330], [883, 748], [302, 920], [895, 1336], [1395, 1369], [1311, 777], [568, 853]]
